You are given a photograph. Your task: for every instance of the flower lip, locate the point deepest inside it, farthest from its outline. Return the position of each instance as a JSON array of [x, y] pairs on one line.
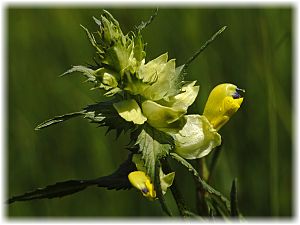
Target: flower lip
[[145, 190], [237, 93]]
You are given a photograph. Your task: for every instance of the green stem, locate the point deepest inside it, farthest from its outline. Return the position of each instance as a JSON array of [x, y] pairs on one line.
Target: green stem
[[182, 208], [143, 24], [213, 193], [191, 59], [200, 191], [212, 166], [179, 199], [159, 193]]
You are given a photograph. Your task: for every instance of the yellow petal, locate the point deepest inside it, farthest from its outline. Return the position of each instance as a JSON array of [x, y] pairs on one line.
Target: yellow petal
[[142, 182], [130, 111], [222, 103]]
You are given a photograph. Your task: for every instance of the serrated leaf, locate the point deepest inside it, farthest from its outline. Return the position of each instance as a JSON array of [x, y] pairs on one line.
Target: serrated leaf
[[59, 119], [117, 180], [216, 195], [87, 72], [153, 144], [102, 113]]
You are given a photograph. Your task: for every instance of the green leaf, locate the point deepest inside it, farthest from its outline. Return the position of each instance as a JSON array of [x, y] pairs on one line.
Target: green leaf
[[52, 191], [92, 39], [139, 47], [153, 144], [101, 77], [117, 180], [216, 195], [143, 24], [234, 200], [59, 119], [102, 113], [111, 18], [87, 72]]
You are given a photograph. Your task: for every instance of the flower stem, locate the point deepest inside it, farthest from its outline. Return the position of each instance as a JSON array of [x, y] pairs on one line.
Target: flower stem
[[182, 208], [192, 58], [212, 166], [200, 192]]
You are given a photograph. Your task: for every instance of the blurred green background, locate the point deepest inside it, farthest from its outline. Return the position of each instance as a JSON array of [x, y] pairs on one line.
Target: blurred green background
[[255, 53]]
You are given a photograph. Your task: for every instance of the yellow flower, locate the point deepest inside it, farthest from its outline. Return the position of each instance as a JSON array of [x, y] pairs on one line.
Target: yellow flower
[[195, 135], [142, 182], [224, 100]]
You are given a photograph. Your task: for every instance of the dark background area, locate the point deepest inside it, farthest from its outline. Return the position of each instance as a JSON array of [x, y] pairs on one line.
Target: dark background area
[[255, 53]]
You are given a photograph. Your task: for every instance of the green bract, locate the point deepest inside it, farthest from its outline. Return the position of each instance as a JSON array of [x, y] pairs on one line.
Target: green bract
[[156, 79], [118, 58], [162, 113], [194, 137]]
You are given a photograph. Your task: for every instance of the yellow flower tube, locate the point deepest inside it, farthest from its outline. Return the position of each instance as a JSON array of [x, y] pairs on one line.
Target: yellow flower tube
[[224, 100], [141, 181]]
